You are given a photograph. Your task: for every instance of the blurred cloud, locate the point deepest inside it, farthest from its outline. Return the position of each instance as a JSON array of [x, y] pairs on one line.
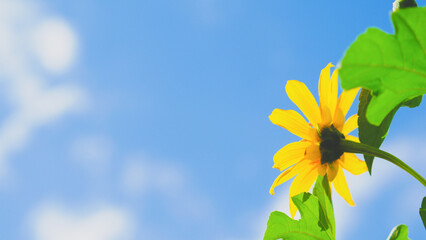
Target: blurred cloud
[[94, 153], [412, 198], [206, 10], [29, 40], [55, 222], [142, 177], [55, 44], [280, 203]]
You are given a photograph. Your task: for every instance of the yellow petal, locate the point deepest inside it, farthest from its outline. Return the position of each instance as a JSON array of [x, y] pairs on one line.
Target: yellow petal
[[302, 183], [322, 169], [341, 187], [332, 170], [352, 164], [346, 99], [339, 119], [352, 138], [326, 116], [334, 90], [293, 122], [350, 124], [287, 174], [313, 152], [290, 154], [302, 97], [324, 86]]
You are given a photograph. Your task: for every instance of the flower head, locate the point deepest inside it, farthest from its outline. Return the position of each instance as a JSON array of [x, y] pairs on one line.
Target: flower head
[[318, 153]]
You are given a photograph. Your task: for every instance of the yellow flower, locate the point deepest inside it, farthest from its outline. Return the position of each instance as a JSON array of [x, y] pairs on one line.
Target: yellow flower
[[318, 152]]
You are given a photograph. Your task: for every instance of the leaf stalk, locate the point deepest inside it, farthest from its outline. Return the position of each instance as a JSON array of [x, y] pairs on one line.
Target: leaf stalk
[[355, 147]]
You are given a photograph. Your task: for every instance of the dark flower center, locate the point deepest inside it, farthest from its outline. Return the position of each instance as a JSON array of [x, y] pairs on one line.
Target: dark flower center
[[330, 144]]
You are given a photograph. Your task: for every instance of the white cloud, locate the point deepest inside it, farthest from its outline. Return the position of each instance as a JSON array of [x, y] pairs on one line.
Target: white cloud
[[94, 153], [280, 203], [135, 178], [34, 102], [55, 44], [55, 222], [412, 198], [142, 177]]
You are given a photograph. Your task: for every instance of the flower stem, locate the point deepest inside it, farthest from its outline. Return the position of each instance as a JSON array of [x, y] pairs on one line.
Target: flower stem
[[355, 147]]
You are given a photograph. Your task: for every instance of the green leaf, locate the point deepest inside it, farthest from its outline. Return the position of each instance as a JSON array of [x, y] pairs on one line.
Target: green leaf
[[375, 135], [368, 133], [422, 212], [412, 103], [392, 66], [323, 192], [399, 232], [317, 216]]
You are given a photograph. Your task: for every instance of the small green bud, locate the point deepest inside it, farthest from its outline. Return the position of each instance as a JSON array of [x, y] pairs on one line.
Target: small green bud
[[401, 4]]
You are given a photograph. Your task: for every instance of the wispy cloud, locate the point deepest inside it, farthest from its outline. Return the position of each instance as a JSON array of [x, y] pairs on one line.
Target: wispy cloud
[[93, 153], [52, 221], [32, 47], [142, 177]]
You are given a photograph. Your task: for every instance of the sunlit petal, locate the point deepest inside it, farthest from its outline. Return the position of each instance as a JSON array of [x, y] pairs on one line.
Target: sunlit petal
[[293, 122], [290, 154], [288, 174], [350, 124], [346, 99], [353, 164], [302, 183], [338, 119], [324, 86], [334, 90], [332, 170], [341, 187], [352, 138], [302, 97], [313, 152], [322, 169], [326, 116]]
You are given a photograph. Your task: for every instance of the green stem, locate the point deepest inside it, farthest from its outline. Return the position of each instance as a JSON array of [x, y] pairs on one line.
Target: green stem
[[355, 147]]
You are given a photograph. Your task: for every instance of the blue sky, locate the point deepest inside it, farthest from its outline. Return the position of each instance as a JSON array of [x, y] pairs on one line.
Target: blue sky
[[149, 119]]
